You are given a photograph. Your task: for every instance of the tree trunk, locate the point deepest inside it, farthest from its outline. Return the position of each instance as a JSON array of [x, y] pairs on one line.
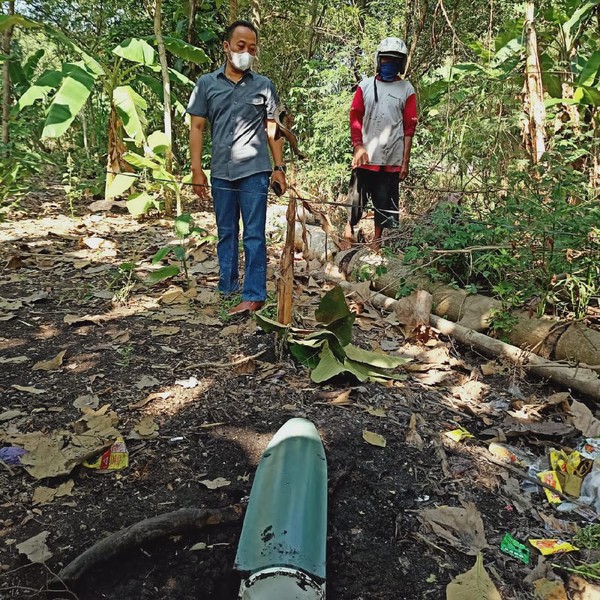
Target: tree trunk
[[233, 10], [418, 30], [191, 35], [164, 67], [534, 93], [285, 285], [6, 100], [116, 147], [256, 13]]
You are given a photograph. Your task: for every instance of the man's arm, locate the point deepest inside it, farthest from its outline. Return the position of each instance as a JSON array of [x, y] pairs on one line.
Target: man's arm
[[357, 112], [276, 147], [199, 178]]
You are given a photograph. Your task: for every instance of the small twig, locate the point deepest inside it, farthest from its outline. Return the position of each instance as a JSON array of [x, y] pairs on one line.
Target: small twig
[[473, 249], [6, 467], [235, 363]]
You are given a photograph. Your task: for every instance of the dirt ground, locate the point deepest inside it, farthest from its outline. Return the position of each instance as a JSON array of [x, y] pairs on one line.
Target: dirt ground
[[139, 345]]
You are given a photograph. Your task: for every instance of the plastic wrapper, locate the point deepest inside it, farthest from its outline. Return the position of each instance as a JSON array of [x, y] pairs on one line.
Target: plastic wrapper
[[511, 454], [552, 546], [114, 458], [590, 448], [12, 455], [551, 478], [514, 548]]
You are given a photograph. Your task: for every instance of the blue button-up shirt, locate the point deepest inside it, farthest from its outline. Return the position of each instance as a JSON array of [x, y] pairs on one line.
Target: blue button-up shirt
[[237, 113]]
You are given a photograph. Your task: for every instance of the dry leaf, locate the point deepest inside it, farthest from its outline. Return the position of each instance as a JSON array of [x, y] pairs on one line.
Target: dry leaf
[[167, 330], [146, 429], [475, 584], [147, 381], [7, 316], [189, 384], [51, 364], [15, 360], [512, 425], [215, 483], [198, 546], [141, 403], [491, 368], [28, 389], [77, 320], [89, 400], [203, 319], [35, 548], [580, 589], [412, 436], [44, 495], [10, 414], [584, 420], [461, 527], [414, 310], [374, 439], [336, 397], [549, 590], [376, 412]]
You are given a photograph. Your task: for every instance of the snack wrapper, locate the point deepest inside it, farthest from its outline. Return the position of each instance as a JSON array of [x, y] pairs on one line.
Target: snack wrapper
[[514, 548], [114, 458], [590, 448], [551, 478], [552, 546]]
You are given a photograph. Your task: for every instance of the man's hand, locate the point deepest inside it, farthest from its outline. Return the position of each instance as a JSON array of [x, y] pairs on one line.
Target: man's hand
[[279, 177], [361, 157], [403, 171], [200, 182]]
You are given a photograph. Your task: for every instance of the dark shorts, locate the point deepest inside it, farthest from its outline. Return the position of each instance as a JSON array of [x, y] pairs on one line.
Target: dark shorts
[[378, 187]]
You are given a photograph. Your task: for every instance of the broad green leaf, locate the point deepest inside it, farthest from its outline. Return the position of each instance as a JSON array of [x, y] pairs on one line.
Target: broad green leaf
[[573, 27], [475, 584], [307, 357], [160, 254], [137, 51], [130, 106], [185, 51], [32, 62], [41, 89], [182, 225], [119, 185], [587, 96], [68, 100], [140, 203], [141, 162], [180, 77], [158, 142], [17, 76], [364, 372], [269, 325], [90, 62], [374, 359], [332, 306], [162, 274], [4, 57], [7, 21], [329, 366], [342, 328], [591, 70], [179, 252]]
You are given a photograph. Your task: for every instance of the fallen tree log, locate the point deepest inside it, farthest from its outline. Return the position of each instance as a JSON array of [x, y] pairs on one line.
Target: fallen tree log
[[547, 336], [584, 381], [154, 528]]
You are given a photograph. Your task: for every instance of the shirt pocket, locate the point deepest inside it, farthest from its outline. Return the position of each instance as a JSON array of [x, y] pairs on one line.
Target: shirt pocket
[[257, 105]]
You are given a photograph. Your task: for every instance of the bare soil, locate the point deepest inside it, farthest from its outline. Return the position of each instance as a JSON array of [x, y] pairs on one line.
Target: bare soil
[[218, 427]]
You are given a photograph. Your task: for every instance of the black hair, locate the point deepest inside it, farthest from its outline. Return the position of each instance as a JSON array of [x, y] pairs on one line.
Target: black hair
[[239, 23]]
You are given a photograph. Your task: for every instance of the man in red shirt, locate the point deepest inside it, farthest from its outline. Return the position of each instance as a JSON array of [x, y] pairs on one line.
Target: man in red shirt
[[383, 118]]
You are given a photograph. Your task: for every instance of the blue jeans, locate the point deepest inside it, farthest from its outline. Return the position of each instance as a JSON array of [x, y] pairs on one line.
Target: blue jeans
[[248, 197]]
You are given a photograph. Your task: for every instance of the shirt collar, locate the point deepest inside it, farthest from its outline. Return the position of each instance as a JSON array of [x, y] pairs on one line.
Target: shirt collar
[[221, 72]]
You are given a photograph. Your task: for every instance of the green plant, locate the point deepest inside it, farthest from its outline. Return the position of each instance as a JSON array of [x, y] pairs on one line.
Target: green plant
[[122, 281], [328, 351], [125, 355], [185, 231]]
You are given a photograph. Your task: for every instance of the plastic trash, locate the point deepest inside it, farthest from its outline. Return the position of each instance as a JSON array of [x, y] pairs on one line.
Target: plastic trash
[[514, 548], [113, 459], [12, 455], [552, 546], [511, 454]]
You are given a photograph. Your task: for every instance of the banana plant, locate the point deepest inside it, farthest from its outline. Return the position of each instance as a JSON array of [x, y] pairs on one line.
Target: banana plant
[[68, 89]]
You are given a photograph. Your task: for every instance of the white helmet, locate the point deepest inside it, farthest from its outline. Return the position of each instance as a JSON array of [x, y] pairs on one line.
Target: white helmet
[[392, 46]]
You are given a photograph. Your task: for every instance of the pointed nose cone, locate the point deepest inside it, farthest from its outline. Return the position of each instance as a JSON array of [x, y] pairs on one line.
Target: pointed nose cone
[[282, 547]]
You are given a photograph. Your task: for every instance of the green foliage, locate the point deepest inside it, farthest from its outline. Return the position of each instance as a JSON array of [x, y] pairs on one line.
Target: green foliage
[[328, 352]]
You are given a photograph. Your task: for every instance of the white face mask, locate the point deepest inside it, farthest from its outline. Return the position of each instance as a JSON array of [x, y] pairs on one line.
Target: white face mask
[[242, 61]]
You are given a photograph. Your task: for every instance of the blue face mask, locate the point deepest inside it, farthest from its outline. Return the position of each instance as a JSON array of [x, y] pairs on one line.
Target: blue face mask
[[389, 70]]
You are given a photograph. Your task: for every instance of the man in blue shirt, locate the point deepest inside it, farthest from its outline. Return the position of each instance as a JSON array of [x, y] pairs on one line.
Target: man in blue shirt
[[240, 106]]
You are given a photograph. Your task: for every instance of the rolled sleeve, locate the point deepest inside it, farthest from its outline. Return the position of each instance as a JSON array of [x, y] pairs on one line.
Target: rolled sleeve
[[198, 104], [272, 101]]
